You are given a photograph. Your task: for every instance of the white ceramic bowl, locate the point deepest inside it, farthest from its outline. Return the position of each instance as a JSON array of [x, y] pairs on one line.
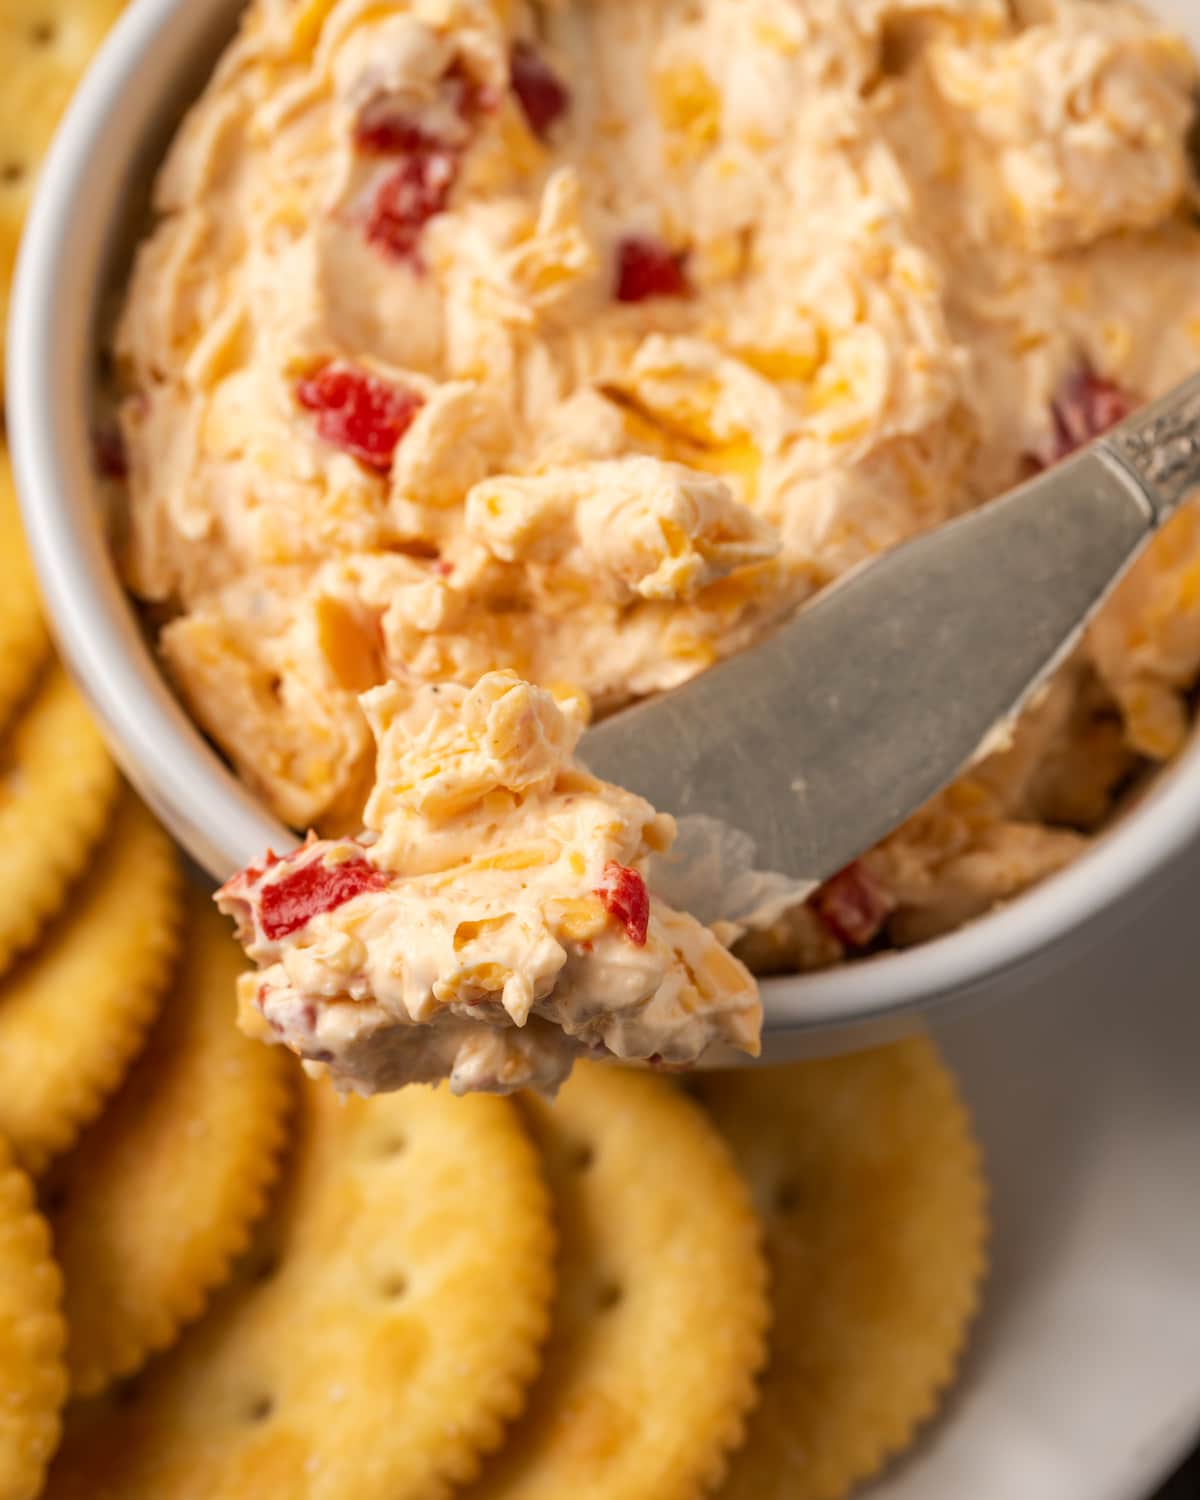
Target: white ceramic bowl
[[90, 199]]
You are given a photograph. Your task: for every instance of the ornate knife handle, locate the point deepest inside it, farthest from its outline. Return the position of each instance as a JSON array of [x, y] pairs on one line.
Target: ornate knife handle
[[1159, 448]]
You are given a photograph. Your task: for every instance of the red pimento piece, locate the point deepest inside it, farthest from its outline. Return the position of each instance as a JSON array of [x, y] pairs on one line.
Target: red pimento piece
[[406, 200], [383, 130], [380, 131], [359, 412], [419, 186], [853, 905], [286, 904], [646, 268], [542, 95], [624, 896], [1085, 408]]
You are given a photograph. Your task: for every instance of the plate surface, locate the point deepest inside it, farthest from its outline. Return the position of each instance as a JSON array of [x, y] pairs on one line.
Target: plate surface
[[1083, 1379]]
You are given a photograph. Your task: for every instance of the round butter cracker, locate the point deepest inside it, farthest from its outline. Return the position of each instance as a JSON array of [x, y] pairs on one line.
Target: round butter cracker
[[377, 1338], [74, 1011], [870, 1183], [160, 1195], [33, 1382], [45, 45], [57, 784], [24, 641], [660, 1323]]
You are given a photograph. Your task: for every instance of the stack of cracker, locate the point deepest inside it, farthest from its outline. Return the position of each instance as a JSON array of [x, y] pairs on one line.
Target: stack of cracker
[[218, 1281]]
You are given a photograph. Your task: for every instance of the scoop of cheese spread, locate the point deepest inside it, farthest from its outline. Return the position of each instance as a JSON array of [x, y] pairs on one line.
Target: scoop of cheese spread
[[586, 341], [493, 924]]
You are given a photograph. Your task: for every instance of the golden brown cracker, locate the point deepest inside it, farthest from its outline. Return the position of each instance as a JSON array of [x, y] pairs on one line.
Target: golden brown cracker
[[24, 642], [660, 1322], [74, 1011], [380, 1334], [869, 1180], [57, 784], [33, 1382], [161, 1194], [45, 45]]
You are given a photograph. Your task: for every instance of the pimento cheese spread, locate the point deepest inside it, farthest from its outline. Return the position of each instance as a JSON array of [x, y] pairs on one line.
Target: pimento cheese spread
[[494, 925], [584, 342]]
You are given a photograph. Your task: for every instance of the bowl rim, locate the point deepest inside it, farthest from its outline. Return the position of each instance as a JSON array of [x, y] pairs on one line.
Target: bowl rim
[[49, 377]]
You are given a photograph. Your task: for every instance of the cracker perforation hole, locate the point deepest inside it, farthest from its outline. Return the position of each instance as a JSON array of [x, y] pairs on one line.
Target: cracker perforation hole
[[11, 173], [788, 1197], [392, 1145], [263, 1269], [43, 33], [260, 1408], [393, 1286], [580, 1157], [609, 1296]]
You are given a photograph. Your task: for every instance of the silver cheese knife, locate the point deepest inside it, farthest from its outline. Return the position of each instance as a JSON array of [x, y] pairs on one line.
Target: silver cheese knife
[[822, 739]]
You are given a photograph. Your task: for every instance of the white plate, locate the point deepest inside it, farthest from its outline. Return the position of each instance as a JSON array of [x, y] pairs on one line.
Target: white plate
[[1083, 1379]]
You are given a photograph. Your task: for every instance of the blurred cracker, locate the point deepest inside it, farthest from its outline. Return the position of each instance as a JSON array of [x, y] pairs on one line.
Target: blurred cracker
[[33, 1382], [162, 1192], [24, 642], [74, 1011], [57, 785], [45, 45], [868, 1177], [378, 1337], [659, 1328]]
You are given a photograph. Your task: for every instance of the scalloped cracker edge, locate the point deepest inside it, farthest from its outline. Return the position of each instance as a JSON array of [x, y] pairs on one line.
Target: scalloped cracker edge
[[870, 1182], [24, 640], [380, 1334], [660, 1325], [33, 1381], [162, 1193], [57, 785], [74, 1011]]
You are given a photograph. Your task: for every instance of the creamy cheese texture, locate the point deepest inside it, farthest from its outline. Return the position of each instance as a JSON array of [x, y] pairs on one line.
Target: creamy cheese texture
[[494, 923], [586, 341]]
